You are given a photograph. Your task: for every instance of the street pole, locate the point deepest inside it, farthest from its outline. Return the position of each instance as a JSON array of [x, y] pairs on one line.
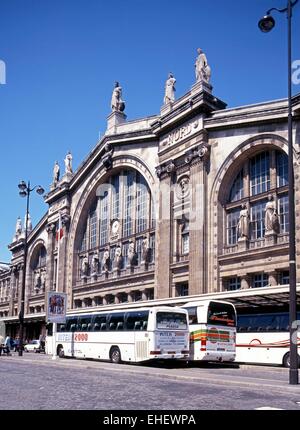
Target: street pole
[[266, 24], [25, 191], [22, 307], [293, 374]]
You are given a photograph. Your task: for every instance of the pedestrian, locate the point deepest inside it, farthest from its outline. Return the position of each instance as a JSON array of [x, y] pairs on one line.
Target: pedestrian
[[7, 344]]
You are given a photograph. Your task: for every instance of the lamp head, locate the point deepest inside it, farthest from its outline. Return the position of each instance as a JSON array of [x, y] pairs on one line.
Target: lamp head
[[40, 190], [23, 193], [22, 186], [266, 24]]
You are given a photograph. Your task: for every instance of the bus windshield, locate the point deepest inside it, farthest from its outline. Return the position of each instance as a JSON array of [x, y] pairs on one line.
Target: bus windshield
[[171, 320], [221, 314]]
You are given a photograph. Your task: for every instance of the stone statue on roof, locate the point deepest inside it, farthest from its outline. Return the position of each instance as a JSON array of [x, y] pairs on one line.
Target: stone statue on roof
[[202, 69]]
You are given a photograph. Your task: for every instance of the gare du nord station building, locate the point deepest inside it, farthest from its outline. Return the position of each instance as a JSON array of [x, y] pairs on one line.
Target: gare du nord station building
[[191, 202]]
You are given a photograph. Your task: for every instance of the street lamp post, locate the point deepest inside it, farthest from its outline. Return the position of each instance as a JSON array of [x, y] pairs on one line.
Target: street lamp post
[[266, 24], [25, 191]]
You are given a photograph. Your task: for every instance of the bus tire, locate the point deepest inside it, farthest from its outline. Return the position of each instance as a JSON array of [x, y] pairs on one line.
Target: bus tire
[[287, 360], [115, 355], [60, 352]]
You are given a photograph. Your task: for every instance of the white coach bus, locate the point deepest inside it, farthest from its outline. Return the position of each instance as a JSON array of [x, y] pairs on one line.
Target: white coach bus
[[264, 338], [130, 335], [212, 325]]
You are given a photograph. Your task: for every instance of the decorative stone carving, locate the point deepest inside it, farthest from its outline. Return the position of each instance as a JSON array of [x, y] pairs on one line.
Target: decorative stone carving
[[183, 187], [107, 156], [118, 260], [166, 168], [114, 230], [95, 264], [56, 173], [18, 230], [37, 280], [51, 228], [201, 153], [65, 220], [117, 104], [105, 261], [68, 163], [131, 256], [170, 89], [202, 69], [272, 224], [145, 250], [43, 279], [243, 224], [84, 267]]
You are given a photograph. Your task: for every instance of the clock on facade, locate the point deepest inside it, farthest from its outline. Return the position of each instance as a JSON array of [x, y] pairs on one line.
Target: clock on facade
[[115, 226]]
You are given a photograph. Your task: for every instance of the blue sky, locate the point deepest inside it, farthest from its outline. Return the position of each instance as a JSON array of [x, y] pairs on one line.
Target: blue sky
[[63, 56]]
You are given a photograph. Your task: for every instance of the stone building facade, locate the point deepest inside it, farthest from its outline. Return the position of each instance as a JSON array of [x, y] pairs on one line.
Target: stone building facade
[[191, 201]]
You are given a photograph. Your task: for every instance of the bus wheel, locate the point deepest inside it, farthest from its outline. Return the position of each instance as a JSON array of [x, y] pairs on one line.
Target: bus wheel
[[287, 360], [115, 355], [60, 352]]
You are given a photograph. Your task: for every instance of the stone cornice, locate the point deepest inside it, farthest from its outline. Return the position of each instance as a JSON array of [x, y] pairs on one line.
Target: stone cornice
[[185, 108], [198, 154], [252, 114]]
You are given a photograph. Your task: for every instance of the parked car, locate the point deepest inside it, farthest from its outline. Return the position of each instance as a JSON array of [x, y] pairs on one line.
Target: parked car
[[33, 345]]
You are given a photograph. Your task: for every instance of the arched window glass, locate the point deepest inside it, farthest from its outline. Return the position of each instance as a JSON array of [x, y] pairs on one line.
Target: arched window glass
[[237, 190], [282, 169], [39, 258], [260, 173], [104, 218], [115, 197], [119, 215], [128, 198], [93, 227], [141, 206], [268, 174]]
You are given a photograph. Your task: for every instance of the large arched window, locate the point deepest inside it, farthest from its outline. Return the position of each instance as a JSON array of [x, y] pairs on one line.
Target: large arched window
[[38, 269], [118, 223], [262, 176]]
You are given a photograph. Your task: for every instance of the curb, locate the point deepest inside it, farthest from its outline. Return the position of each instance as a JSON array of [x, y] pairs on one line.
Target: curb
[[194, 378]]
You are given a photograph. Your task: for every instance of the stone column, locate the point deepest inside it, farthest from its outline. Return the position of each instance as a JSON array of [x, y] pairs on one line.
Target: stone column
[[12, 291], [50, 266], [20, 270], [28, 287], [197, 226], [163, 241], [62, 263]]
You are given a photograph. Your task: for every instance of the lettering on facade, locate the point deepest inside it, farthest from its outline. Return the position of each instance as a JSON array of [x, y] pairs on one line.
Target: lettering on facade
[[181, 133]]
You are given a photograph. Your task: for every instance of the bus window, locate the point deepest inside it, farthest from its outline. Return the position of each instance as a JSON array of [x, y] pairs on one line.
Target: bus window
[[192, 315], [168, 320], [116, 321], [83, 322], [221, 313], [71, 324], [99, 322], [60, 327], [137, 320]]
